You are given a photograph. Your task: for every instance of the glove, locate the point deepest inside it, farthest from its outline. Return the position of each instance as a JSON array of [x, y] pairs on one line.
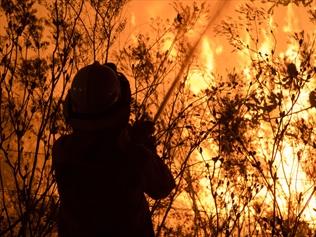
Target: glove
[[142, 133]]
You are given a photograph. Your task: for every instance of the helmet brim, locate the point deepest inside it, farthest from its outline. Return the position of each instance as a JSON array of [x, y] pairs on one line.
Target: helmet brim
[[117, 119]]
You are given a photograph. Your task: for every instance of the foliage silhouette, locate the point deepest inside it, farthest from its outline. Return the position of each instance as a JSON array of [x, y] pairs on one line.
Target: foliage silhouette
[[227, 146]]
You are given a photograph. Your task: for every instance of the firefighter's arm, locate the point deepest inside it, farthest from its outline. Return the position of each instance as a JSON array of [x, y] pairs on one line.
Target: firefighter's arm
[[158, 179]]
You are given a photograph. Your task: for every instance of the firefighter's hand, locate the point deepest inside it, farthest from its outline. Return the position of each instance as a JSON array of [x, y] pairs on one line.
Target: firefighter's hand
[[142, 132]]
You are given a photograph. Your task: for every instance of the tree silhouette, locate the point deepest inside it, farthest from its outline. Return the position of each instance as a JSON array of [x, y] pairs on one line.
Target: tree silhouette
[[42, 44], [237, 149]]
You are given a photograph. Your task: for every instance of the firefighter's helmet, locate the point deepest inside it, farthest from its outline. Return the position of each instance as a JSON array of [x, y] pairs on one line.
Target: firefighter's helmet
[[97, 98]]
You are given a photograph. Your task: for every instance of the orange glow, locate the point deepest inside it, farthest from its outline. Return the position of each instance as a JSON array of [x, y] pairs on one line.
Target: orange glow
[[168, 46], [292, 179], [214, 56], [259, 109], [133, 19], [200, 79], [292, 21]]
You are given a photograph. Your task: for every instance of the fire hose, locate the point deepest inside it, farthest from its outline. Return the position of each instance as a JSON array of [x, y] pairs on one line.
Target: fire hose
[[219, 9]]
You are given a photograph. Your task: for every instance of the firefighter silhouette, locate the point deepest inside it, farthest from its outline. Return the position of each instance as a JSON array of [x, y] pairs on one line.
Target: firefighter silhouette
[[104, 167]]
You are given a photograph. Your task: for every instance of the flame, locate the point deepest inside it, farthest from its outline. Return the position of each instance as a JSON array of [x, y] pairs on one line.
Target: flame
[[200, 79], [292, 179], [266, 46], [290, 54], [219, 49], [133, 19], [292, 183], [292, 20]]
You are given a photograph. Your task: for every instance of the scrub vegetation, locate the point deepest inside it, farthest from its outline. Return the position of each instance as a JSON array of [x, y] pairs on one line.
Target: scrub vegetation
[[242, 150]]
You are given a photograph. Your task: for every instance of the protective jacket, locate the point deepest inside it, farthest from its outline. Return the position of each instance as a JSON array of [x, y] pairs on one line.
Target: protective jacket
[[101, 178]]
